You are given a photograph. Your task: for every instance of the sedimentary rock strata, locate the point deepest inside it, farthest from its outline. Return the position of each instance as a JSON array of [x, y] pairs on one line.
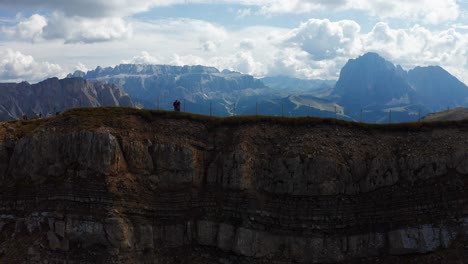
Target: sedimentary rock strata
[[127, 188]]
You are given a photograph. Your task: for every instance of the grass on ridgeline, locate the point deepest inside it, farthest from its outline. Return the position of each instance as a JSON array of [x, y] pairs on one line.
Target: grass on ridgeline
[[95, 117]]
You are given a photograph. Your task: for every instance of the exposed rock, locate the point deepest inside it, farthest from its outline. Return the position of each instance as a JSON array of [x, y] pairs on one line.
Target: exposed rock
[[54, 241], [53, 95], [119, 233], [207, 233], [226, 235], [174, 190]]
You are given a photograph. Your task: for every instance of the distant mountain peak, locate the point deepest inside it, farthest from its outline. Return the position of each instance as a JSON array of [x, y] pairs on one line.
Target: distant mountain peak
[[369, 80]]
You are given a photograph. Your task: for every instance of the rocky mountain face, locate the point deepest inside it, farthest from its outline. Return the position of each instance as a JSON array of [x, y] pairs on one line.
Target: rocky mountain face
[[198, 85], [372, 86], [127, 186], [54, 95], [437, 89], [294, 85], [371, 80]]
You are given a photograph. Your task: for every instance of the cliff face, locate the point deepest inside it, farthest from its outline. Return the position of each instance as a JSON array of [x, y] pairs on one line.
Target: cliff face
[[97, 187], [54, 95]]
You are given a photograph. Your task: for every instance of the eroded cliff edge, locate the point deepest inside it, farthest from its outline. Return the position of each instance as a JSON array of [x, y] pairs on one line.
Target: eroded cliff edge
[[124, 186]]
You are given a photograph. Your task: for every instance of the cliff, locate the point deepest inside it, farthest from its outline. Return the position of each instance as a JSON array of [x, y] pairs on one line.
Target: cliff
[[54, 95], [117, 185]]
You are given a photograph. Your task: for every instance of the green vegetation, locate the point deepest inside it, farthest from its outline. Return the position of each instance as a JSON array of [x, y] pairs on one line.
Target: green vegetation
[[85, 118]]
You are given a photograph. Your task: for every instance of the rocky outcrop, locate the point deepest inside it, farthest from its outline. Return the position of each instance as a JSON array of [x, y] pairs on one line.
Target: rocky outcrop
[[155, 188], [54, 95]]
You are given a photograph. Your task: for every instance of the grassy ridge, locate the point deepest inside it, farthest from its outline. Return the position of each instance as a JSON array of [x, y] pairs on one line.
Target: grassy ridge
[[150, 115], [95, 117]]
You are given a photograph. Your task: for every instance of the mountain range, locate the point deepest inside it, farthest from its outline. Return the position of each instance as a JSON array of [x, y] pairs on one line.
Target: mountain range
[[369, 89], [374, 87], [157, 86], [54, 95]]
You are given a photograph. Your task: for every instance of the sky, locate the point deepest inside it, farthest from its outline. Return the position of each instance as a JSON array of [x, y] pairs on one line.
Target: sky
[[309, 39]]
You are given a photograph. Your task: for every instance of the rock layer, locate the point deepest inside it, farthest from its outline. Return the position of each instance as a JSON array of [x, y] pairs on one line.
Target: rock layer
[[164, 189]]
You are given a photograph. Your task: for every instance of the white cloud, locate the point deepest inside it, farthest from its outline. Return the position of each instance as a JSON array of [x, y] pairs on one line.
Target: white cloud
[[86, 8], [297, 6], [242, 13], [323, 39], [181, 60], [247, 44], [425, 11], [15, 66], [245, 62], [79, 29], [422, 11], [144, 58], [30, 28], [70, 29], [81, 67], [209, 46]]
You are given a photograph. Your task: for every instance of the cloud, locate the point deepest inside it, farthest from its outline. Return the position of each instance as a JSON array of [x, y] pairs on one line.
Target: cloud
[[81, 67], [209, 46], [85, 30], [15, 66], [242, 13], [245, 62], [422, 11], [247, 44], [425, 11], [86, 8], [323, 39], [70, 29], [144, 58], [297, 6], [181, 60], [30, 28]]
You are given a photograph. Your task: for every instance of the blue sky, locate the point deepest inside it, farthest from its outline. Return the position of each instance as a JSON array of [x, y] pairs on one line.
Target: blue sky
[[309, 39]]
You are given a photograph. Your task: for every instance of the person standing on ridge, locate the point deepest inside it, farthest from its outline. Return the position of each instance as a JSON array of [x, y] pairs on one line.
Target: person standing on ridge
[[176, 105]]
